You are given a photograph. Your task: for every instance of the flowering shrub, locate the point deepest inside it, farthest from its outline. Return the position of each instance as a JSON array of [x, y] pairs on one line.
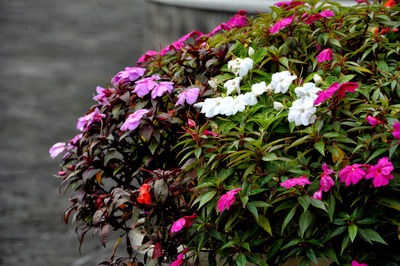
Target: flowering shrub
[[267, 138]]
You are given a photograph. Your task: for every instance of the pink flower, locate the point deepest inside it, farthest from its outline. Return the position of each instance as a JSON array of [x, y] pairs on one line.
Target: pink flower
[[56, 149], [362, 1], [128, 75], [190, 95], [396, 130], [325, 55], [191, 123], [299, 181], [209, 133], [227, 200], [86, 121], [380, 172], [185, 221], [133, 120], [102, 95], [239, 20], [336, 87], [161, 88], [288, 4], [373, 121], [146, 57], [317, 195], [72, 143], [355, 263], [179, 259], [181, 42], [326, 181], [351, 174], [144, 86], [222, 26], [326, 14], [281, 24]]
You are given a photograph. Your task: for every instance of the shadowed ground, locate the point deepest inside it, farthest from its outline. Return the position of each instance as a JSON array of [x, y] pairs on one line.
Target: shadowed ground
[[53, 54]]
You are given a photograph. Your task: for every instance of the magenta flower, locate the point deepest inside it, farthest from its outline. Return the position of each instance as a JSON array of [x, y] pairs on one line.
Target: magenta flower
[[326, 14], [227, 199], [239, 20], [56, 149], [128, 75], [189, 95], [72, 143], [102, 95], [181, 42], [281, 24], [179, 259], [325, 55], [191, 123], [146, 57], [209, 133], [351, 174], [185, 221], [86, 121], [362, 1], [222, 26], [380, 172], [373, 121], [317, 195], [396, 130], [133, 120], [299, 181], [336, 87], [144, 86], [355, 263], [326, 181], [288, 4], [161, 88]]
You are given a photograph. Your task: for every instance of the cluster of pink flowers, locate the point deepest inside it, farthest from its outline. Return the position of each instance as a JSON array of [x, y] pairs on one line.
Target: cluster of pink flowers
[[149, 84], [309, 19], [289, 4], [86, 121], [128, 75], [325, 183]]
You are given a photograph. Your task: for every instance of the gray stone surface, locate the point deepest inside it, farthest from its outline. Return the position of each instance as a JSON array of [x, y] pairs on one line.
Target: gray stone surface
[[53, 54]]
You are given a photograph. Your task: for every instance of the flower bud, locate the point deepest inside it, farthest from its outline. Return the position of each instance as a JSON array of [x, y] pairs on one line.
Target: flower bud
[[278, 106], [317, 78], [251, 51]]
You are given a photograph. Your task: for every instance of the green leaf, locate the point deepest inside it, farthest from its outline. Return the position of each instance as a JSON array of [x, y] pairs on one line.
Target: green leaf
[[264, 223], [320, 146], [241, 260], [252, 209], [292, 243], [259, 55], [345, 243], [228, 245], [331, 207], [304, 222], [311, 255], [288, 218], [352, 231], [244, 200], [318, 204], [197, 152], [284, 61], [376, 154], [374, 236], [204, 198]]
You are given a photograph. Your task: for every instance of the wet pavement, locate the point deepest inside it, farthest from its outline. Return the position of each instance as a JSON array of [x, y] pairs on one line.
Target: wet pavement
[[53, 54]]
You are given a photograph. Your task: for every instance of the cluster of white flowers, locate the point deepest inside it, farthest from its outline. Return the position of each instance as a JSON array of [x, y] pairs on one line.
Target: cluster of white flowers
[[240, 67], [302, 111], [281, 81]]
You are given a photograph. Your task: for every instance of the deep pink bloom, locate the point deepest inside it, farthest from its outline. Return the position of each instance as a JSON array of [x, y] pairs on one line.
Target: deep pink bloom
[[144, 86], [309, 19], [209, 133], [326, 169], [326, 14], [325, 55], [56, 149], [239, 20], [128, 75], [62, 173], [146, 57], [227, 199], [288, 4], [336, 87], [326, 181], [102, 95], [181, 42], [351, 174], [362, 1], [396, 130], [355, 263], [191, 123], [317, 195], [179, 259], [161, 88], [299, 181], [280, 24], [133, 120], [347, 86], [380, 172], [86, 121], [185, 221], [188, 95], [222, 26], [373, 121]]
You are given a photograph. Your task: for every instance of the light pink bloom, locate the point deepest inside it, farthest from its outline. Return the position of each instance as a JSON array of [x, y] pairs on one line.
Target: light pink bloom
[[325, 55], [191, 123], [86, 121], [380, 172], [227, 200], [185, 221], [56, 149], [336, 87], [146, 57], [72, 143], [351, 174], [190, 95], [102, 95], [161, 88], [144, 86], [281, 24], [128, 75], [373, 121], [317, 195], [61, 173], [326, 14], [355, 263], [179, 259], [396, 130], [239, 20], [299, 181], [133, 120]]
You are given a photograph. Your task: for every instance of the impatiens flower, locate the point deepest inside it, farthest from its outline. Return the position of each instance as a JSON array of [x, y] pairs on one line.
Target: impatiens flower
[[240, 67], [259, 88], [128, 75], [144, 195], [308, 91], [133, 120], [146, 57], [278, 106], [191, 123], [233, 85], [302, 112], [326, 182], [281, 24], [288, 4], [326, 14], [102, 95], [373, 121], [86, 121], [144, 86], [336, 87], [179, 259], [317, 79], [299, 181], [227, 199], [390, 3], [161, 88], [209, 133], [210, 107], [355, 263], [380, 172], [188, 95], [56, 149], [239, 20], [185, 221], [222, 26], [396, 130], [72, 143], [362, 1], [281, 81], [327, 170], [249, 98], [317, 195], [325, 55], [351, 174]]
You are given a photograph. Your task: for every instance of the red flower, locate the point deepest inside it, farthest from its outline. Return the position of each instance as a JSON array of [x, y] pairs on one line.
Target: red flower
[[144, 195], [390, 3]]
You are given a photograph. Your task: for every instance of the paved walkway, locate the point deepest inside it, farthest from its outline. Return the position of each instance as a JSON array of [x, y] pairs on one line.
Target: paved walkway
[[53, 54]]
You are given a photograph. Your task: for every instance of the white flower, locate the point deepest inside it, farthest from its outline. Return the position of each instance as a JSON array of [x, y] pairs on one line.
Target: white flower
[[278, 106], [210, 106], [213, 83], [317, 79], [248, 98], [233, 85], [259, 88], [302, 112], [281, 81], [227, 107], [251, 51], [309, 90], [240, 67]]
